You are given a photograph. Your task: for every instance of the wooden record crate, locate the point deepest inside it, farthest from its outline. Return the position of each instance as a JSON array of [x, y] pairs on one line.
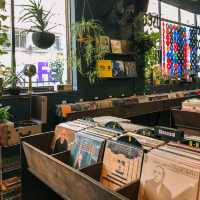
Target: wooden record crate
[[67, 182], [186, 121]]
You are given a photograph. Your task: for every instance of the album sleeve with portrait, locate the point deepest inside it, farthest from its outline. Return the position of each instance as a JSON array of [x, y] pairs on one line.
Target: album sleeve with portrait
[[121, 164], [165, 177], [86, 150]]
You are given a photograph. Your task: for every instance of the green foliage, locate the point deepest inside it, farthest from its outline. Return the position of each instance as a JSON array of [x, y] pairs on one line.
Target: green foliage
[[152, 59], [4, 41], [35, 14], [87, 53], [57, 68], [2, 4], [9, 77], [4, 113]]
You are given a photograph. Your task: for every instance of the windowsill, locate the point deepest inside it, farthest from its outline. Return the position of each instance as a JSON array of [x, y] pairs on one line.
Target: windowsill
[[37, 91]]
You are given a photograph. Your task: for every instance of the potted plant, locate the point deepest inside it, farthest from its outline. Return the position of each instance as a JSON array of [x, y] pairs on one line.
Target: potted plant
[[4, 124], [35, 14], [87, 32], [57, 68], [4, 113], [12, 82]]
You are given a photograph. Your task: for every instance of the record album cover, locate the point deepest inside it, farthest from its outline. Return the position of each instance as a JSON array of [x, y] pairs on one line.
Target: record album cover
[[164, 178], [86, 150], [64, 135], [103, 42], [118, 70], [104, 68], [121, 164], [130, 69]]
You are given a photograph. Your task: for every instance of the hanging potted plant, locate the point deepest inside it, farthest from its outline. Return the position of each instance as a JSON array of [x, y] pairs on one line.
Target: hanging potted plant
[[87, 32], [35, 14]]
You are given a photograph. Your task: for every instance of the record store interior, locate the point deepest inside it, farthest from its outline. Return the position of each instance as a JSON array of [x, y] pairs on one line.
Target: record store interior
[[99, 99]]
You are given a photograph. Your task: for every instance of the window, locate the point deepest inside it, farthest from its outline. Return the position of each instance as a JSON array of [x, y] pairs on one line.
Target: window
[[20, 39], [187, 17], [57, 43], [27, 53], [169, 12], [153, 7]]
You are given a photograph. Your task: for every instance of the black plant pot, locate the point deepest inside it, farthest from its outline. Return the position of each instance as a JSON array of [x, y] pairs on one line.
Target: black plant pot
[[43, 40], [14, 91]]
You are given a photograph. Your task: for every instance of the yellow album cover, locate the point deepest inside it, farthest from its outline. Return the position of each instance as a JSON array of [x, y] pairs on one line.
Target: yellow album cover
[[104, 68]]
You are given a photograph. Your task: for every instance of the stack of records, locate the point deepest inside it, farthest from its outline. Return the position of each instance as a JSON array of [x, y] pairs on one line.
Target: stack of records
[[192, 141], [172, 95], [170, 172], [11, 189], [103, 120], [191, 105], [103, 132], [158, 97], [133, 127], [143, 99], [126, 101], [84, 106], [148, 143], [121, 164], [102, 104], [65, 133], [181, 94]]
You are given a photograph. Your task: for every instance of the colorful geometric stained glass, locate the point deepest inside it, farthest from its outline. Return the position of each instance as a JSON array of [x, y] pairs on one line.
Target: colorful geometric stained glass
[[179, 50]]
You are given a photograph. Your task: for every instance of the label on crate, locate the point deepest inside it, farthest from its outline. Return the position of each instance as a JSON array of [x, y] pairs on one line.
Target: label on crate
[[169, 134]]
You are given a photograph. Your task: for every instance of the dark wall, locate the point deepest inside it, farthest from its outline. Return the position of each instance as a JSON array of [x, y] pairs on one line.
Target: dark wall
[[20, 106], [117, 17]]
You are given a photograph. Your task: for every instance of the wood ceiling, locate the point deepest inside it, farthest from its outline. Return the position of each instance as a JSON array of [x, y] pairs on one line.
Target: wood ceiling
[[190, 5]]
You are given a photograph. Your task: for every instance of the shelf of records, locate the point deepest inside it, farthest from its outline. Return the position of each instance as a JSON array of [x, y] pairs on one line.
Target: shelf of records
[[95, 160], [119, 59], [10, 189], [188, 116], [162, 102], [115, 46]]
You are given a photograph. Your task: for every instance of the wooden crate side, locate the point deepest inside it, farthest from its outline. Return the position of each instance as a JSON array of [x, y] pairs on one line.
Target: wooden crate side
[[41, 141], [186, 119], [64, 180]]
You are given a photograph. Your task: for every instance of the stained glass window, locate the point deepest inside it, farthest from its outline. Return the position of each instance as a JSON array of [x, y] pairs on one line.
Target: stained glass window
[[179, 50]]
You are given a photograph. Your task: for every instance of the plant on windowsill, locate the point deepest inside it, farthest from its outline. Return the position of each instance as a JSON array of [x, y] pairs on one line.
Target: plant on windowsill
[[12, 82], [57, 68], [87, 32], [35, 14]]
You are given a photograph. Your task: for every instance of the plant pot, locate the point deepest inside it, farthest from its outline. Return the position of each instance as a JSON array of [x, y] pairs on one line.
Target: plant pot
[[157, 82], [14, 91], [62, 87], [43, 40]]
